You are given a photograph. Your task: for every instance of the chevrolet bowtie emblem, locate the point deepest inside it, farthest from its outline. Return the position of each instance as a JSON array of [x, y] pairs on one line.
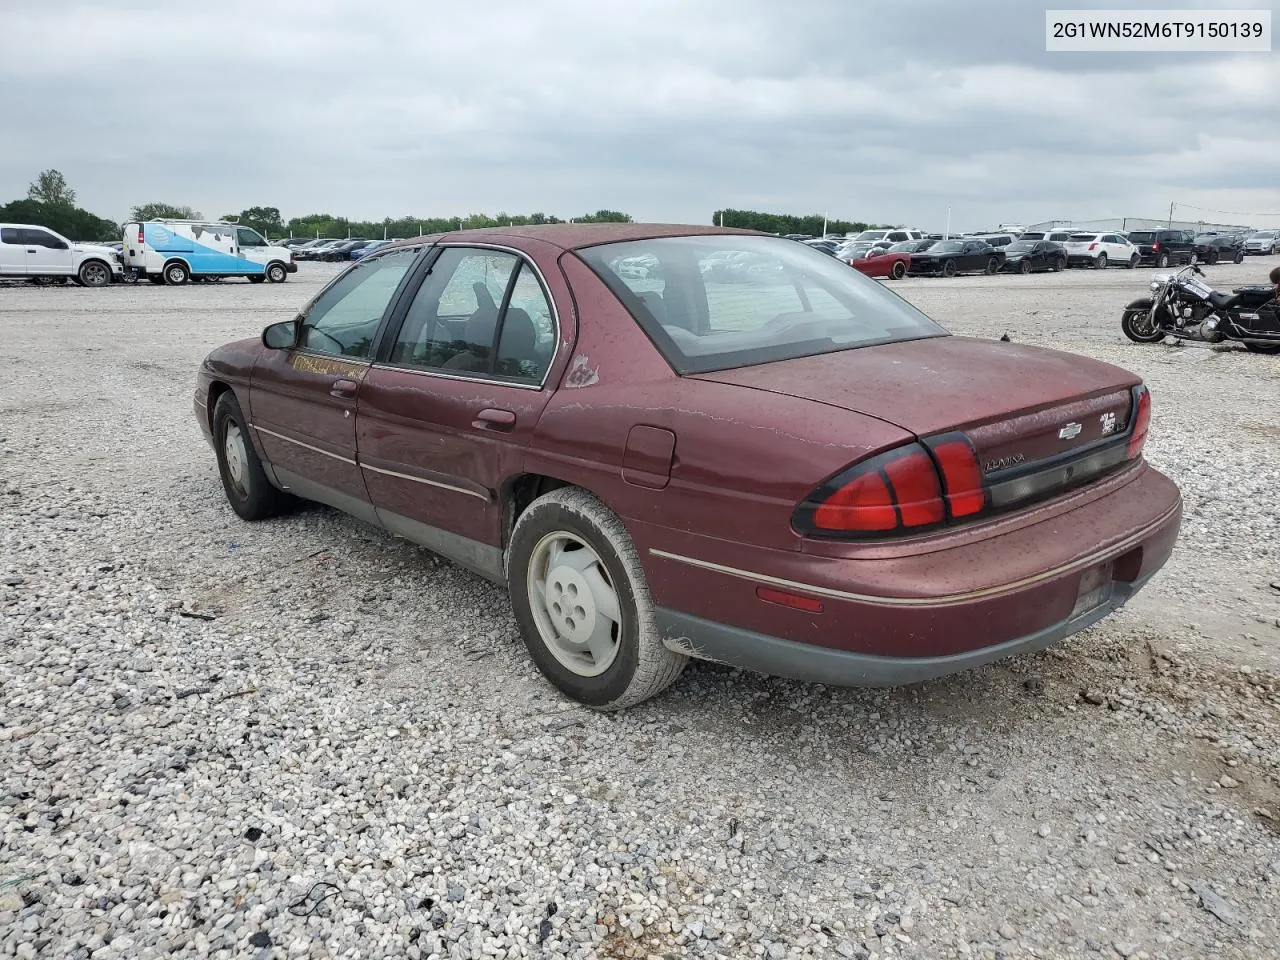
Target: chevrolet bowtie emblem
[[1070, 431]]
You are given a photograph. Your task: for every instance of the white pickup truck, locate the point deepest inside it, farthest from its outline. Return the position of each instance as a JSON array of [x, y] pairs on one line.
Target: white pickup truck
[[27, 250]]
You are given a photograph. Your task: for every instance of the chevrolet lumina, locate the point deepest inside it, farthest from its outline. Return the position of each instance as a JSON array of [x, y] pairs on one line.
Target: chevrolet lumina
[[784, 466]]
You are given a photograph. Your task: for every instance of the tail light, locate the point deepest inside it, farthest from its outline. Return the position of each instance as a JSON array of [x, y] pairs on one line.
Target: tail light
[[139, 234], [1155, 247], [1093, 246], [938, 480], [1141, 422]]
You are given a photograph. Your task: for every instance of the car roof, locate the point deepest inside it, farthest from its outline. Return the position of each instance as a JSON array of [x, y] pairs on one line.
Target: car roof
[[574, 236]]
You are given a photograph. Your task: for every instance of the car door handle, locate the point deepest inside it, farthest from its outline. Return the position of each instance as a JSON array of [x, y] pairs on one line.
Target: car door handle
[[32, 250], [344, 388], [492, 418]]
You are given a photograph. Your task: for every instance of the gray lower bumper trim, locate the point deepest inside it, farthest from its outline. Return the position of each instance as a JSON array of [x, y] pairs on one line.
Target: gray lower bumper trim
[[734, 646]]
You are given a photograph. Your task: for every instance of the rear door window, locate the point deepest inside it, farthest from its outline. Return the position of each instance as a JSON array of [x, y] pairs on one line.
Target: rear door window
[[10, 235]]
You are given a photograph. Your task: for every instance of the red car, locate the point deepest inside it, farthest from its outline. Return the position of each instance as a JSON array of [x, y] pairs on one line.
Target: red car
[[882, 263], [782, 466]]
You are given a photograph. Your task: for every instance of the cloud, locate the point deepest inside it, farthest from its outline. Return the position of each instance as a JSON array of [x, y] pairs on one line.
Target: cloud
[[885, 111]]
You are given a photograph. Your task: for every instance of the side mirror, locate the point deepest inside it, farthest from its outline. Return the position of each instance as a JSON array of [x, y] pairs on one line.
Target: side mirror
[[281, 336]]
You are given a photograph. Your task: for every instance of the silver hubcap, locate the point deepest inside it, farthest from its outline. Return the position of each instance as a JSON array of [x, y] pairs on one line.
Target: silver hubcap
[[276, 274], [175, 274], [574, 604], [237, 459]]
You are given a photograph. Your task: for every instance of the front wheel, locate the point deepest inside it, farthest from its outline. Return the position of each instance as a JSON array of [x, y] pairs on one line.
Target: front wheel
[[1240, 256], [276, 273], [1101, 262], [1059, 265], [248, 490], [1137, 324], [582, 604], [94, 273], [949, 268], [1024, 266], [899, 270], [1212, 258]]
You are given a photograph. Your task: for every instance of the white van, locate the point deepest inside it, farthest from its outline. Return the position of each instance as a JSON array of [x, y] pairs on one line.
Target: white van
[[174, 251], [27, 250]]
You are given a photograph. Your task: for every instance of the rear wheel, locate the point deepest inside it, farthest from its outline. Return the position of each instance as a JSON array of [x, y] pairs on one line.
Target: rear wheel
[[582, 604], [899, 270], [1137, 325], [1162, 261], [993, 265], [1212, 257], [1101, 262], [949, 268], [93, 273], [176, 273], [248, 490], [1060, 264]]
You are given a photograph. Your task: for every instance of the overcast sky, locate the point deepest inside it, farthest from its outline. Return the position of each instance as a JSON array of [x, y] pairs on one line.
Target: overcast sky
[[878, 110]]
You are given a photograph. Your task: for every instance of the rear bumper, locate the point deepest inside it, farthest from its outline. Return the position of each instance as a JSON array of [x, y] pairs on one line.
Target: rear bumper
[[936, 606], [777, 657]]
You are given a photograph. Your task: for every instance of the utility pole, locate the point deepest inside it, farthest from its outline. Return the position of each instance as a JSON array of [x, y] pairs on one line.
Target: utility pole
[[824, 226], [946, 234], [1170, 223]]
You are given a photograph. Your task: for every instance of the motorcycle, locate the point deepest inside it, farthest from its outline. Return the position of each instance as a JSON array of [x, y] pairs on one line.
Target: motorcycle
[[1183, 306]]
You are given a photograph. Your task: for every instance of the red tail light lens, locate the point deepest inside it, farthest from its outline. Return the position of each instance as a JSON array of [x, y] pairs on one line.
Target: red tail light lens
[[1141, 421], [1093, 246], [961, 474], [1155, 247], [895, 490], [139, 234]]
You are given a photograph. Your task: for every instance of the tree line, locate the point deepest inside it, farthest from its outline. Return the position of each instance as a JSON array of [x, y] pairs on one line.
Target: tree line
[[51, 202]]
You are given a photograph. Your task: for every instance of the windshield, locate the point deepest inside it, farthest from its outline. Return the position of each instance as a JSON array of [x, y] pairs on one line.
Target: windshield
[[1264, 235], [906, 246], [1021, 246], [720, 302]]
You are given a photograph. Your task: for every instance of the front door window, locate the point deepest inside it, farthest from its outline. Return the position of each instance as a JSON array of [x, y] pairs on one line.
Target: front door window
[[344, 319]]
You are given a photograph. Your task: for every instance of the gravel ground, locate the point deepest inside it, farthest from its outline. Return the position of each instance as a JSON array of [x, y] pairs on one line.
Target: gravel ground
[[303, 738]]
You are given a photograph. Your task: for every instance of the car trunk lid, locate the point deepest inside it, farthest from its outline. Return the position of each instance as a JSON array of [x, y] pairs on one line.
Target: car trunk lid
[[1020, 406]]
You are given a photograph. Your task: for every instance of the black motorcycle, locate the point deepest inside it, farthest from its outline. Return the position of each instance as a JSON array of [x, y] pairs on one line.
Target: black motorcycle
[[1185, 307]]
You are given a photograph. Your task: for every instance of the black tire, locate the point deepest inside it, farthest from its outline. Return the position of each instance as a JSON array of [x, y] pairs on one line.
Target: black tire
[[1135, 324], [1134, 261], [641, 666], [250, 494], [93, 273], [257, 279], [1263, 348], [1212, 257], [1024, 266], [993, 266], [949, 268], [1162, 261], [155, 278], [276, 273], [176, 273], [899, 270], [1240, 256], [1101, 262], [1060, 264]]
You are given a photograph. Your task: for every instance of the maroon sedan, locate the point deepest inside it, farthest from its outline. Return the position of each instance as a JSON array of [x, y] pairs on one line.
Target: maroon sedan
[[785, 467]]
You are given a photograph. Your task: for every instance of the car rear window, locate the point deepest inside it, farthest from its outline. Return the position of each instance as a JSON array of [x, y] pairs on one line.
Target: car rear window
[[1139, 236], [1081, 237], [718, 302]]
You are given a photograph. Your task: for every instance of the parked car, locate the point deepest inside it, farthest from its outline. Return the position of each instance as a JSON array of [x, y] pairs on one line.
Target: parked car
[[996, 239], [883, 262], [1100, 250], [825, 246], [338, 252], [1265, 242], [890, 236], [1028, 256], [1163, 247], [178, 251], [1057, 236], [948, 257], [657, 474], [368, 248], [912, 246], [35, 252], [856, 250], [1212, 247], [314, 249]]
